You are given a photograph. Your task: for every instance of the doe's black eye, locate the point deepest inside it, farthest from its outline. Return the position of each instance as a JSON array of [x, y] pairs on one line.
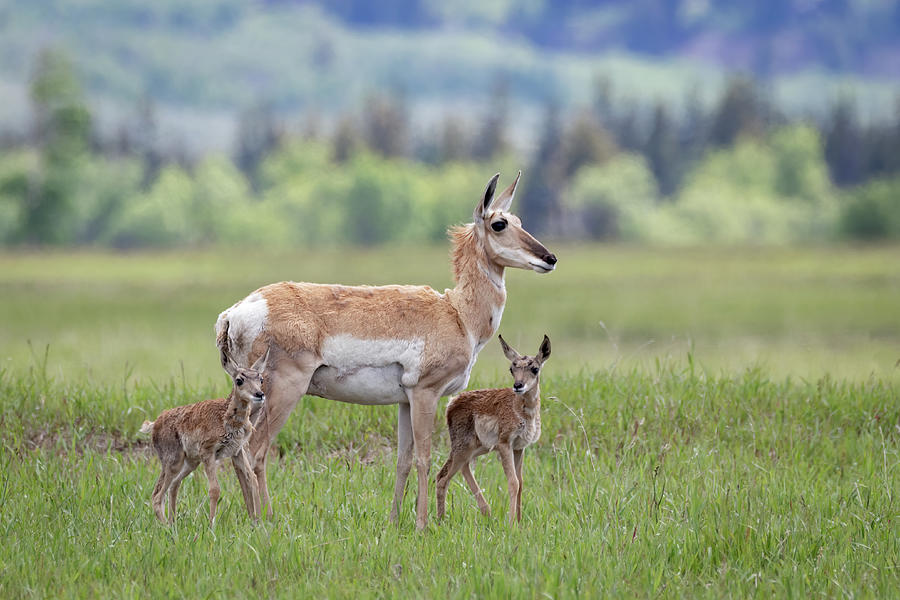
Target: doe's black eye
[[239, 382], [534, 370], [498, 225]]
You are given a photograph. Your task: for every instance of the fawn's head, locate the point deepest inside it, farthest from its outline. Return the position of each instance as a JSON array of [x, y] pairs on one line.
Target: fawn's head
[[505, 240], [248, 383], [526, 370]]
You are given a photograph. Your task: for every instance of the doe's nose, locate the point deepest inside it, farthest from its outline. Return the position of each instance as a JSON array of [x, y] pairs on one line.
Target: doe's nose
[[550, 259], [518, 385], [260, 395]]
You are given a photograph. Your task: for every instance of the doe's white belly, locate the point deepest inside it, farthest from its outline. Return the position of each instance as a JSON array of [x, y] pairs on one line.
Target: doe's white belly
[[365, 385], [367, 371]]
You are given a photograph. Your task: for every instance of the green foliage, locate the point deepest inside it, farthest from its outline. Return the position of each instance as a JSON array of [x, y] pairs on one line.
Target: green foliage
[[162, 215], [872, 211], [18, 175], [801, 173], [63, 129], [105, 188], [775, 191], [758, 192], [614, 200]]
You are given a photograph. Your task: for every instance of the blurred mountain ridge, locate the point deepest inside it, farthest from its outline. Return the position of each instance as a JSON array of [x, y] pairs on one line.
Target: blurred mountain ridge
[[202, 61]]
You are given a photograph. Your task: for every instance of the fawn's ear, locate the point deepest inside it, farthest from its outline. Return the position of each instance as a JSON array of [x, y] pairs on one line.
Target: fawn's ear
[[260, 365], [544, 352], [228, 364], [507, 351]]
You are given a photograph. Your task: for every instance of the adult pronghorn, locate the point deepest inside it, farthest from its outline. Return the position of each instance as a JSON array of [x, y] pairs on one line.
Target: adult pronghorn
[[395, 344]]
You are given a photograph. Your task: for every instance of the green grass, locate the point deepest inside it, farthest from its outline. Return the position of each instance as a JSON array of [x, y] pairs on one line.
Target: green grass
[[743, 467], [643, 484]]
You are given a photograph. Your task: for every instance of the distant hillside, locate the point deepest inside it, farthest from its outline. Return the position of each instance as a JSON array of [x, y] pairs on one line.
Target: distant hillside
[[768, 37], [202, 60]]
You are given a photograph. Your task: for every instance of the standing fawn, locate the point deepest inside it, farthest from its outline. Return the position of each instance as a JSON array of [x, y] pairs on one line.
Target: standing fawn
[[208, 432], [506, 420]]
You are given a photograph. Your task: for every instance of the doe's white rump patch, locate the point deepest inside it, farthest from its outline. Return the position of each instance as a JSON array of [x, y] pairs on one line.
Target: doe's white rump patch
[[246, 320], [347, 354]]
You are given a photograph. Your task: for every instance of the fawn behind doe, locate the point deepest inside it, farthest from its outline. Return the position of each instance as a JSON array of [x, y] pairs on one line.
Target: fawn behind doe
[[208, 432]]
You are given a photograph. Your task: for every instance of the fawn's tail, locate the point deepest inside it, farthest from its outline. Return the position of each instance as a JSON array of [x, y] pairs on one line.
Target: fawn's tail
[[147, 427]]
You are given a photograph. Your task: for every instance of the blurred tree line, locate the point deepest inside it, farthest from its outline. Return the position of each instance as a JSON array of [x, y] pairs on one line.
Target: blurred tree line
[[735, 172]]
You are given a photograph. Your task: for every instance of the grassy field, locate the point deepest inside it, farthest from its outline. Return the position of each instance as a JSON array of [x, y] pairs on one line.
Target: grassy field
[[716, 423], [803, 313]]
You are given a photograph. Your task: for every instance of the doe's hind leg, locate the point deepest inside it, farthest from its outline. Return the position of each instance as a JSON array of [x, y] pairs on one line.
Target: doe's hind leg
[[249, 484]]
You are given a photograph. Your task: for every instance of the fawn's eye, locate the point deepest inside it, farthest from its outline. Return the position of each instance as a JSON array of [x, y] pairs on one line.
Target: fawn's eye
[[498, 225], [534, 370], [239, 382]]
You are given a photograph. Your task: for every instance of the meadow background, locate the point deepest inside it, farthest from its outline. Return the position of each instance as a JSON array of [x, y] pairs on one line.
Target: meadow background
[[720, 181]]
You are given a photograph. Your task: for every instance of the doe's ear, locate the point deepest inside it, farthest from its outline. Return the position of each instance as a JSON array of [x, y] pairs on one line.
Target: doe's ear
[[507, 351], [503, 201], [544, 352], [485, 202], [260, 365]]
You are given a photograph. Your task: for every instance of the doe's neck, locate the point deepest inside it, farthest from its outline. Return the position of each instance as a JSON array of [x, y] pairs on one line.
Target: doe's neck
[[480, 293]]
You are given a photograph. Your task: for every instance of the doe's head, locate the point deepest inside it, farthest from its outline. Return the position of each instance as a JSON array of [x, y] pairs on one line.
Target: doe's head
[[505, 240], [526, 370], [248, 382]]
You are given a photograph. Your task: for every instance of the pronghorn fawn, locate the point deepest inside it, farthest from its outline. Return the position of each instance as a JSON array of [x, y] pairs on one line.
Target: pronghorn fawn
[[507, 420], [208, 432], [394, 344]]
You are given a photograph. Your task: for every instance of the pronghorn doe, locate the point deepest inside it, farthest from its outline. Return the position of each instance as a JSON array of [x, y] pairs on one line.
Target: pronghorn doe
[[208, 432], [506, 420], [393, 344]]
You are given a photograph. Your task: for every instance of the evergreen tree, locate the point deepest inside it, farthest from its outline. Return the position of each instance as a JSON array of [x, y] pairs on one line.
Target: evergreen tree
[[146, 141], [843, 139], [586, 143], [258, 134], [491, 139], [453, 140], [882, 145], [693, 132], [603, 102], [385, 125], [62, 127], [741, 111], [662, 151], [546, 175], [627, 129], [345, 141]]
